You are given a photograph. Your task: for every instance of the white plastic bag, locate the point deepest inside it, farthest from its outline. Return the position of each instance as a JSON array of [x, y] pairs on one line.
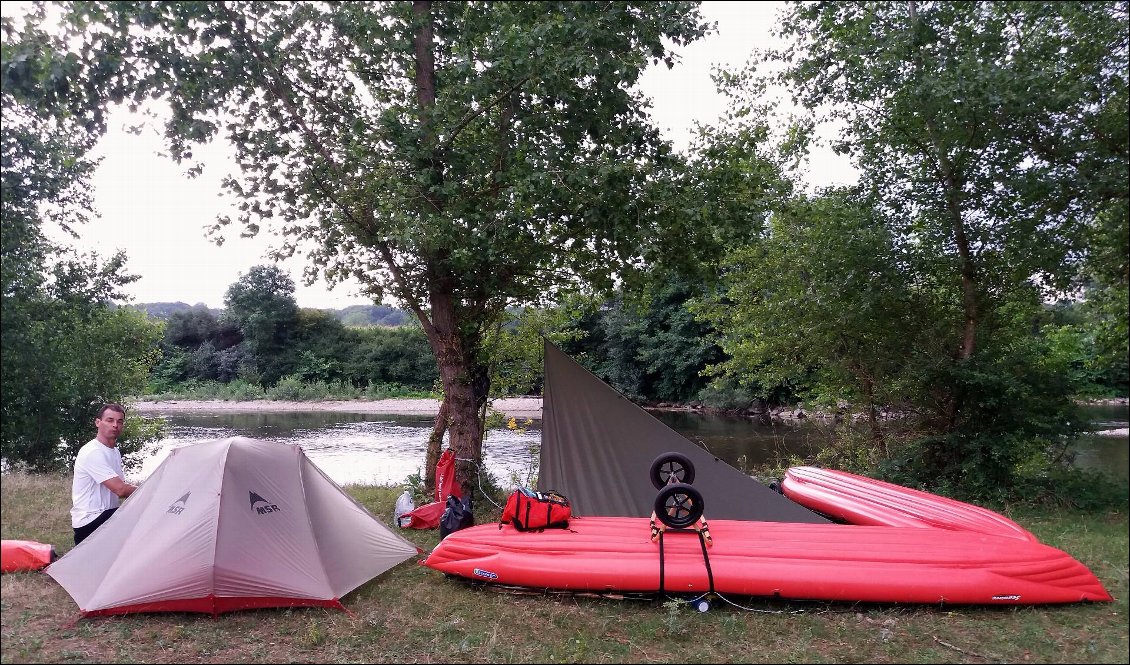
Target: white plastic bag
[[404, 504]]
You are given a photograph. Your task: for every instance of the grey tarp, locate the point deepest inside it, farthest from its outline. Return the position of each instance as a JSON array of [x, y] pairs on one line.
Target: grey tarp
[[227, 525], [597, 449]]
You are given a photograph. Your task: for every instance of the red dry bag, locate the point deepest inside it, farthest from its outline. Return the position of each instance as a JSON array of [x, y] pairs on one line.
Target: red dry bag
[[527, 510], [428, 515]]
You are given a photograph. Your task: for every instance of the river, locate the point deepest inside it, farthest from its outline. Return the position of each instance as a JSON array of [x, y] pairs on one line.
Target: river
[[386, 449]]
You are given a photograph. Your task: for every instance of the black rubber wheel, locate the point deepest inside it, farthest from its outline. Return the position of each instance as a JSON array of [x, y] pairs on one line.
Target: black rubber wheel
[[667, 465], [678, 505]]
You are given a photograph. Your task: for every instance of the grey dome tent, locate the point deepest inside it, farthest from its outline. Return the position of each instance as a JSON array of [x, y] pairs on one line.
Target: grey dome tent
[[597, 448], [229, 525]]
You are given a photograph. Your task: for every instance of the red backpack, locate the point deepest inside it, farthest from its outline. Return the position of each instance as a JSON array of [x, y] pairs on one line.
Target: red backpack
[[527, 510]]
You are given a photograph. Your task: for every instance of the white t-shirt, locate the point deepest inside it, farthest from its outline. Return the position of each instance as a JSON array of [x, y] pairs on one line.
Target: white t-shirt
[[95, 463]]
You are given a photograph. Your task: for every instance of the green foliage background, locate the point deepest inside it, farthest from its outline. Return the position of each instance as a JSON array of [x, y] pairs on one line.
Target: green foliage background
[[951, 306], [65, 346]]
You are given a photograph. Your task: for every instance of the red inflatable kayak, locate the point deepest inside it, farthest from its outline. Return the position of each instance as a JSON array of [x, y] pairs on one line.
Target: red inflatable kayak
[[860, 500], [785, 560], [17, 555]]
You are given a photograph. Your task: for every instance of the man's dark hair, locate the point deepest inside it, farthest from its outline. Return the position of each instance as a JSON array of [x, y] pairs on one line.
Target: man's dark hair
[[112, 406]]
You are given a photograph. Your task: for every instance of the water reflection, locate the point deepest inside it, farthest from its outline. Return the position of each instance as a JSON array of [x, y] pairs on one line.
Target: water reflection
[[1107, 416], [1107, 454], [349, 447], [744, 442], [386, 449]]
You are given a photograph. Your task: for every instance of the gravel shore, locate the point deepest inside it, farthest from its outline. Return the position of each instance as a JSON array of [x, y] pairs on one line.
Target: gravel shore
[[518, 407]]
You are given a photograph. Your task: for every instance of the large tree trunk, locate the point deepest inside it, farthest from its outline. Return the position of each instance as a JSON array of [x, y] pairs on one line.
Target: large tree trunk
[[465, 425], [969, 306], [951, 182], [465, 378], [465, 385]]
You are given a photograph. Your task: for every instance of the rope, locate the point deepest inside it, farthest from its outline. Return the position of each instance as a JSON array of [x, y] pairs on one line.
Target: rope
[[479, 480], [754, 609]]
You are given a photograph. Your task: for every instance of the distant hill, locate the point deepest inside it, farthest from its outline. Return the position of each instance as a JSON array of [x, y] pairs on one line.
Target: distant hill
[[371, 315], [355, 316]]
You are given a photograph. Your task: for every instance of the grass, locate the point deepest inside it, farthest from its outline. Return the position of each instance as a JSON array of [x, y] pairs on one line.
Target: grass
[[414, 614]]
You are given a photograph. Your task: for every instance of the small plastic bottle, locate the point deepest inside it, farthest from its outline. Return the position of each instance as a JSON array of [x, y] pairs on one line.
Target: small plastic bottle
[[404, 505]]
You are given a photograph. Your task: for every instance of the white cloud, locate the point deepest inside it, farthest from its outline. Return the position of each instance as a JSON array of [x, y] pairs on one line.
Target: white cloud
[[158, 215], [686, 94]]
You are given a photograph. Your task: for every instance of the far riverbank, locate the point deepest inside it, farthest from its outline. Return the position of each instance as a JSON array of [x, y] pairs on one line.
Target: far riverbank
[[516, 407]]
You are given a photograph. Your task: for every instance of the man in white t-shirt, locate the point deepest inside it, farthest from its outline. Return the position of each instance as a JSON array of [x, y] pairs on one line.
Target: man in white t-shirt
[[99, 484]]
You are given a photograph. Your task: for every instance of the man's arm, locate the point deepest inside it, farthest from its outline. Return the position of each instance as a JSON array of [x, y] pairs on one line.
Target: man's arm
[[119, 486]]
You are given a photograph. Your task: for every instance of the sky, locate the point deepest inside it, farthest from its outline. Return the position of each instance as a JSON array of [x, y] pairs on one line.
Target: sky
[[155, 213]]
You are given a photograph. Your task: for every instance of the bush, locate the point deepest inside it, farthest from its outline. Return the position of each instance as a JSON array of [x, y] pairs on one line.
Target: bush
[[726, 395], [292, 388], [170, 371], [394, 390], [240, 390]]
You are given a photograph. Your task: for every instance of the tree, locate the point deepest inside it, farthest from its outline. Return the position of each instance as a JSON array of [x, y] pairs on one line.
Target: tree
[[1107, 327], [262, 303], [65, 347], [197, 346], [458, 157], [648, 345], [191, 327], [991, 134], [991, 141], [645, 341], [824, 303], [393, 356]]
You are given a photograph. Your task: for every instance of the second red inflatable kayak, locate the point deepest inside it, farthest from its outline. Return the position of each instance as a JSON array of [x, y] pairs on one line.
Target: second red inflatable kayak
[[854, 499]]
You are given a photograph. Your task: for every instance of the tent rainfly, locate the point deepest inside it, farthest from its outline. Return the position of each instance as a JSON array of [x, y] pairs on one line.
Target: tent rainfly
[[597, 448], [230, 525]]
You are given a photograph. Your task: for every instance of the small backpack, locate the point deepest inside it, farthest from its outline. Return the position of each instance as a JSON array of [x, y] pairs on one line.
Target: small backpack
[[457, 515], [528, 510]]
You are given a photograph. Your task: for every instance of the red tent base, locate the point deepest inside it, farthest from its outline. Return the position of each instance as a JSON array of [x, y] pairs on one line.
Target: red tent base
[[217, 605]]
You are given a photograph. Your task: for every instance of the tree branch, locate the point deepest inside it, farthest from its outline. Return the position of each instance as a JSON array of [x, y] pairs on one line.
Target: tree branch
[[276, 90], [402, 287], [471, 115]]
